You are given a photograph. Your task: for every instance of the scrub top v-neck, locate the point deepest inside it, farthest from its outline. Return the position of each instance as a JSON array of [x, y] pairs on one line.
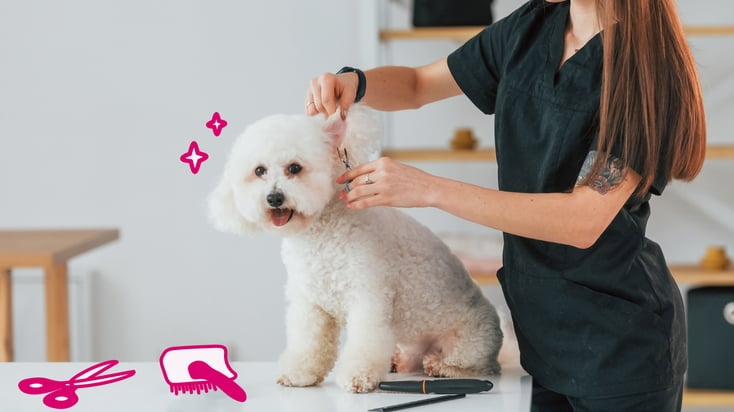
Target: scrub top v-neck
[[596, 322]]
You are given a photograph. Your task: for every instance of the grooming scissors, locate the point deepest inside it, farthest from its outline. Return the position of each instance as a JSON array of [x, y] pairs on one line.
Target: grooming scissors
[[345, 159], [62, 394]]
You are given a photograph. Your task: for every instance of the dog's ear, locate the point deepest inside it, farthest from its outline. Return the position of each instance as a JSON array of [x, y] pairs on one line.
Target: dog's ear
[[336, 127], [362, 134], [223, 212]]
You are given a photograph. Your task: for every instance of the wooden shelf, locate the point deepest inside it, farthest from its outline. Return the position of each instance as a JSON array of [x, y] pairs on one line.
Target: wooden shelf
[[485, 278], [698, 276], [697, 397], [466, 32], [431, 33], [721, 151], [709, 30], [441, 155], [683, 274], [448, 155]]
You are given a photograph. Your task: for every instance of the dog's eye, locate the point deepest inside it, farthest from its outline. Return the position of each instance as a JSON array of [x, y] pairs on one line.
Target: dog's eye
[[294, 169], [259, 171]]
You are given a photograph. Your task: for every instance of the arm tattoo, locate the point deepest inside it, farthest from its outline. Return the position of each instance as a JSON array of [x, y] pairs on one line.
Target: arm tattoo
[[609, 176]]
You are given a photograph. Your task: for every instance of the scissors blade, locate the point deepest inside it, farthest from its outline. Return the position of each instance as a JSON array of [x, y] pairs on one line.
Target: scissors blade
[[344, 158], [93, 371], [102, 380]]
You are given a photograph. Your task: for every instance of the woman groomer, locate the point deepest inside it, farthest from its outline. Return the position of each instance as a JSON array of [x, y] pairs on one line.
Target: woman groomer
[[597, 106]]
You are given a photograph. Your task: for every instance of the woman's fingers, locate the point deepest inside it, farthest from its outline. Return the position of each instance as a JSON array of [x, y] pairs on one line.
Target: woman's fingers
[[310, 104], [357, 171], [329, 92], [386, 182], [315, 96], [363, 183], [359, 191]]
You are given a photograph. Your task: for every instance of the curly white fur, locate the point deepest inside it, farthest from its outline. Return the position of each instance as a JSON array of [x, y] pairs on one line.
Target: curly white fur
[[405, 300]]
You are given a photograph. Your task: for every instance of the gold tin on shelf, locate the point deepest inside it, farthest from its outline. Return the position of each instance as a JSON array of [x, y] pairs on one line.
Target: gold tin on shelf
[[715, 259], [463, 140]]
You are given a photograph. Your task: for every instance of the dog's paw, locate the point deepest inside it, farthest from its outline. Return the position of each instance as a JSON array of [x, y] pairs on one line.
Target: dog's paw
[[434, 365], [299, 379], [494, 368], [405, 362], [360, 384], [362, 375]]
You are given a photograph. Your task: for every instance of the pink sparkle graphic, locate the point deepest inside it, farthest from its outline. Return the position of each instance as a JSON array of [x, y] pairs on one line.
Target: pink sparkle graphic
[[194, 157], [216, 124]]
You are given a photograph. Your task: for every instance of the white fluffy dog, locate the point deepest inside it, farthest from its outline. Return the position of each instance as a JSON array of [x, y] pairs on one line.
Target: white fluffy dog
[[404, 299]]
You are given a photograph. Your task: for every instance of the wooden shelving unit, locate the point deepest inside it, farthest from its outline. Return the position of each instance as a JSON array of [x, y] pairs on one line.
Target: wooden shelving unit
[[449, 155], [683, 274], [718, 151], [465, 33]]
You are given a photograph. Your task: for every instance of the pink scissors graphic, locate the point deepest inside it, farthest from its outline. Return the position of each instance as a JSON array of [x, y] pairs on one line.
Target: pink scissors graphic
[[62, 394]]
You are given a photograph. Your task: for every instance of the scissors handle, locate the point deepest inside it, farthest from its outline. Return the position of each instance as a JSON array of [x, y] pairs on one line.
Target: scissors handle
[[61, 398], [37, 386], [202, 370]]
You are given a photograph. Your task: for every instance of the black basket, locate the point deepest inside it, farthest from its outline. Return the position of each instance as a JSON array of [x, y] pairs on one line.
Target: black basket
[[427, 13], [711, 338]]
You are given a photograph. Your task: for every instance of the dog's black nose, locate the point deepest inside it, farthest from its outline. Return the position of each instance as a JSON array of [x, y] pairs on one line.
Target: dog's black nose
[[275, 199]]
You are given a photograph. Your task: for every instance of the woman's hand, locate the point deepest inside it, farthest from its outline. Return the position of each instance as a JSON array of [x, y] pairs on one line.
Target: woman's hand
[[329, 92], [386, 182], [387, 88]]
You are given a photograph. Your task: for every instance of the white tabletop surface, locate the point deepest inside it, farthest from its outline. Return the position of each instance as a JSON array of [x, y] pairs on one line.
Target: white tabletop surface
[[148, 391]]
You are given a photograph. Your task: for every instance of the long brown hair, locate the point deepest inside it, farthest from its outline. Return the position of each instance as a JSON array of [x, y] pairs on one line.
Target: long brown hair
[[651, 104]]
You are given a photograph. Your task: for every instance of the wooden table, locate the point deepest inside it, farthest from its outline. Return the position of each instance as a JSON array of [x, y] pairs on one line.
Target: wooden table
[[50, 250]]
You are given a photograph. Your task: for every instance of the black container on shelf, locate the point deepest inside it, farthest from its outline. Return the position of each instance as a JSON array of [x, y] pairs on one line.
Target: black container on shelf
[[711, 338], [429, 13]]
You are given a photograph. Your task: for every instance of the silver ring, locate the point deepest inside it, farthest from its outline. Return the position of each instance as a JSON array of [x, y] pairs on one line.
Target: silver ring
[[367, 180], [310, 103]]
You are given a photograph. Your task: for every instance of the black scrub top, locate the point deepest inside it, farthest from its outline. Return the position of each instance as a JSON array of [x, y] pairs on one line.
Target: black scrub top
[[596, 322]]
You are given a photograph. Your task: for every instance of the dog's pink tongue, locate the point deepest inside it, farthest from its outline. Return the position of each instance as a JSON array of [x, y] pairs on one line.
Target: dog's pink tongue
[[280, 216]]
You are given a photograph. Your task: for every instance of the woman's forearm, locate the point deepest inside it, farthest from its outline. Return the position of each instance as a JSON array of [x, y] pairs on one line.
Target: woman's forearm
[[576, 218], [391, 88], [387, 88]]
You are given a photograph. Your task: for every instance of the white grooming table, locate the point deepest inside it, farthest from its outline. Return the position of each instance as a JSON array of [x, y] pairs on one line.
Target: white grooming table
[[148, 391]]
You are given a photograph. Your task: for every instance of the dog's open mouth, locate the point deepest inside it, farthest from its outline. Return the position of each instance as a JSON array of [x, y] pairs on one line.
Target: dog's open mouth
[[280, 217]]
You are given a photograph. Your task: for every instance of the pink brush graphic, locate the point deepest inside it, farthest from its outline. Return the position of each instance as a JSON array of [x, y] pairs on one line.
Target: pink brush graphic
[[62, 394], [200, 368]]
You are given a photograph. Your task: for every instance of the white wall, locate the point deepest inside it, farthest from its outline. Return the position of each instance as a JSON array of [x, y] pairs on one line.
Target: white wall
[[99, 99]]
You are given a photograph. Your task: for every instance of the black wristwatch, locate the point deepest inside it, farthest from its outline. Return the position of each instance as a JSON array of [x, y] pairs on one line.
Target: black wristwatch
[[361, 85]]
